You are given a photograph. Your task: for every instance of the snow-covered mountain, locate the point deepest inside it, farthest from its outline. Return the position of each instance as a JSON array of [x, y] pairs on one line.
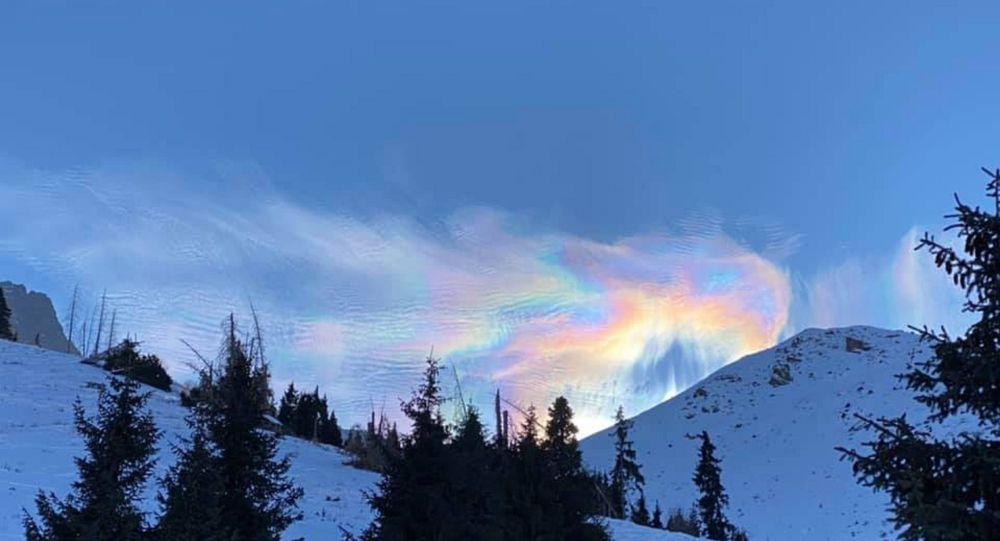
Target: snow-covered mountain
[[38, 443], [776, 417]]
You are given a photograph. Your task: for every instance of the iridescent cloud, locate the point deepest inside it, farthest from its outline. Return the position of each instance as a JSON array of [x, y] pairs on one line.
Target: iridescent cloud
[[353, 304], [897, 290]]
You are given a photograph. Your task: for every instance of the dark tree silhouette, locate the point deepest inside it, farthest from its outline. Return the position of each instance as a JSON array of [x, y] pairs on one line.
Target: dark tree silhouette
[[125, 359], [946, 488], [191, 492], [411, 500], [287, 407], [259, 501], [574, 487], [626, 475], [6, 327], [640, 512], [713, 500], [120, 445], [657, 520]]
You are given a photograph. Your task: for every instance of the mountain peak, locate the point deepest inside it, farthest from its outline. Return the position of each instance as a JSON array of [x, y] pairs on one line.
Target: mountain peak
[[34, 318], [776, 416]]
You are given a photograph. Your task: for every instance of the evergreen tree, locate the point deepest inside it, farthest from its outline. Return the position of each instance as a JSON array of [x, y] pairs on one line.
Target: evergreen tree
[[191, 492], [6, 326], [640, 513], [679, 522], [120, 445], [657, 521], [561, 447], [329, 430], [713, 499], [286, 410], [626, 475], [411, 499], [530, 492], [125, 359], [573, 486], [946, 488], [258, 501], [308, 416], [476, 494]]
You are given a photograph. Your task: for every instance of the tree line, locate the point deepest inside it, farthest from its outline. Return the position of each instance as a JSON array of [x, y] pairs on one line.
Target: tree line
[[455, 482]]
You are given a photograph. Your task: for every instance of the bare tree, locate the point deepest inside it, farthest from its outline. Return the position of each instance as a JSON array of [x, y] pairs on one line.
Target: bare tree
[[89, 330], [72, 317], [111, 330], [100, 322]]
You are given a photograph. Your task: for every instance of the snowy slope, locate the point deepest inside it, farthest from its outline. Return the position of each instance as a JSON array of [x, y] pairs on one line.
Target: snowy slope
[[785, 480], [38, 443]]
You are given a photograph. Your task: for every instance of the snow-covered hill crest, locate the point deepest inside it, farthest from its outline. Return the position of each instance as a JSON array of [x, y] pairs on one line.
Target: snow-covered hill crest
[[776, 417]]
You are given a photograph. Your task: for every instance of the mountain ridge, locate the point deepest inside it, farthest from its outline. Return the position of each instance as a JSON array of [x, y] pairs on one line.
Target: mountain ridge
[[776, 416]]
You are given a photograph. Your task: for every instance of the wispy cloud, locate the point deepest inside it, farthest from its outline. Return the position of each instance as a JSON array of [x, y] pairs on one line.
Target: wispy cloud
[[896, 290], [354, 304]]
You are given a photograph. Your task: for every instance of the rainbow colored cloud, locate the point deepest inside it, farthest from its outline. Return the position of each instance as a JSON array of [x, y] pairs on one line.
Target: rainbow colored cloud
[[353, 305], [544, 315]]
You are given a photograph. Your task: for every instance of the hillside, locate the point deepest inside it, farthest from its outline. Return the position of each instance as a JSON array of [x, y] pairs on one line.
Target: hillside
[[38, 443], [776, 417]]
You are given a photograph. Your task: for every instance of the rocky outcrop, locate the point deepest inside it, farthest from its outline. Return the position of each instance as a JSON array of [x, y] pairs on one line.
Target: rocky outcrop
[[34, 318]]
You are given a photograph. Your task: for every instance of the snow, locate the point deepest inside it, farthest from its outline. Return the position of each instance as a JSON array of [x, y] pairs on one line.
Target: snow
[[621, 530], [776, 443], [38, 443]]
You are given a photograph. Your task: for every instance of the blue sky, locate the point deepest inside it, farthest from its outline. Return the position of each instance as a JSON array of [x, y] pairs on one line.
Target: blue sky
[[819, 138]]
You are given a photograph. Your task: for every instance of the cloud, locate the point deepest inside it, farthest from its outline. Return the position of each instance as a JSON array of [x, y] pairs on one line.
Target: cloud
[[897, 290], [354, 304]]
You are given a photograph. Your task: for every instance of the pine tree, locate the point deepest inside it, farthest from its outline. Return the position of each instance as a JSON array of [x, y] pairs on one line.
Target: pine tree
[[679, 522], [126, 360], [411, 499], [190, 493], [561, 447], [330, 430], [307, 416], [657, 521], [573, 486], [640, 513], [626, 475], [946, 488], [286, 410], [6, 327], [120, 445], [475, 494], [259, 501], [530, 493], [713, 500]]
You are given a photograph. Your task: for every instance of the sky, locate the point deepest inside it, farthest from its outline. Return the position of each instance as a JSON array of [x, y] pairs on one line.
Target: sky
[[607, 201]]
